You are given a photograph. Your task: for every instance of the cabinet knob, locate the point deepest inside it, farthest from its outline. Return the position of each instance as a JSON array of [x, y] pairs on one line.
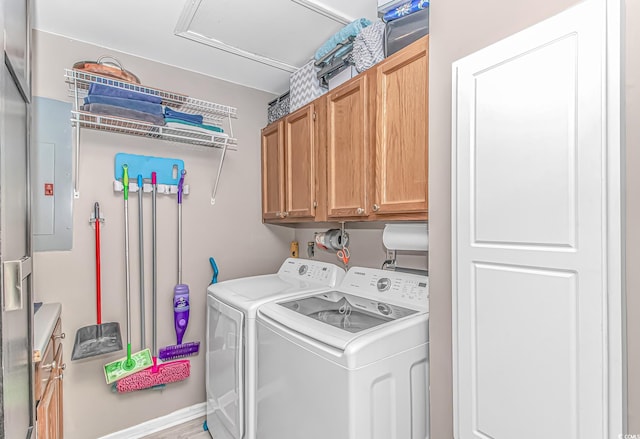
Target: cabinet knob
[[360, 211], [376, 208], [61, 336]]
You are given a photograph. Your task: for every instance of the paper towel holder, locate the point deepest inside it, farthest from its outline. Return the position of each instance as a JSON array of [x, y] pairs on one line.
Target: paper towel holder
[[415, 231]]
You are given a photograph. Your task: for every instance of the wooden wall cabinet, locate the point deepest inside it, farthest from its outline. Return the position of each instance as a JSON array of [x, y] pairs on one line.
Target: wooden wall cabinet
[[377, 141], [401, 133], [49, 391], [348, 150], [359, 153], [273, 171], [289, 166]]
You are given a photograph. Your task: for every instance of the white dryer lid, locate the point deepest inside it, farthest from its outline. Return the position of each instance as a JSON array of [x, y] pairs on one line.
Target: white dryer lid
[[315, 328], [295, 276]]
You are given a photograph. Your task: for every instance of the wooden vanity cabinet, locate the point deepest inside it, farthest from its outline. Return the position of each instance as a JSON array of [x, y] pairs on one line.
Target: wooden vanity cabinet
[[49, 390]]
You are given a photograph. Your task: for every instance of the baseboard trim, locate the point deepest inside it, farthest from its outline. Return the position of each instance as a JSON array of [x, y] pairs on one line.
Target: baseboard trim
[[162, 423]]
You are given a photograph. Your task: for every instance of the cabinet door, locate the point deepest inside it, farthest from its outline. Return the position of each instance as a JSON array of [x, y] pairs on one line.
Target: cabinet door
[[272, 171], [58, 394], [348, 150], [402, 131], [300, 163], [17, 40]]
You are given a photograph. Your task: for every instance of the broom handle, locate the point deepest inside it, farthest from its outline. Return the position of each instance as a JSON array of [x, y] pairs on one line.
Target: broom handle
[[143, 342], [154, 285], [180, 189], [96, 211], [125, 181]]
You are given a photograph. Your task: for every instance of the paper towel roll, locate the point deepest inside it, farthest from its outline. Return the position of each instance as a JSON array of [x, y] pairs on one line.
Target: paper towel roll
[[413, 237]]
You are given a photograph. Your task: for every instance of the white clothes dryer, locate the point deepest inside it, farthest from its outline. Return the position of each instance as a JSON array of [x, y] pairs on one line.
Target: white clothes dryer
[[349, 363], [231, 350]]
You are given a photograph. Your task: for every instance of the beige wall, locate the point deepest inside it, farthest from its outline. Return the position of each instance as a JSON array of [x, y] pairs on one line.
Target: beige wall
[[365, 247], [633, 210], [231, 231], [458, 28]]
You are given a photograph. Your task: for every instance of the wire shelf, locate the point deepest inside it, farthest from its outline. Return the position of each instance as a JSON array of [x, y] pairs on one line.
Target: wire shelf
[[78, 84], [139, 128]]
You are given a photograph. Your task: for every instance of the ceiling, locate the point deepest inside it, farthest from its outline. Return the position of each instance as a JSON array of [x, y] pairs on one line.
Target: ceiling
[[257, 44]]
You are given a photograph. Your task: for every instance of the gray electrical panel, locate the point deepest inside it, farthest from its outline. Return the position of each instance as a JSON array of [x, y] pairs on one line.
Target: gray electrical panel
[[51, 175]]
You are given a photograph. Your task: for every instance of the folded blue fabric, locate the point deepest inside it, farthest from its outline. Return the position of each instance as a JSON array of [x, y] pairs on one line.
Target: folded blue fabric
[[405, 9], [350, 30], [132, 104], [105, 90], [114, 110], [198, 125], [173, 114]]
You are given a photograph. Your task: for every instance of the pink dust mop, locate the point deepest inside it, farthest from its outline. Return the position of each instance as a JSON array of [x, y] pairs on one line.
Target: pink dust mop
[[158, 374], [180, 299]]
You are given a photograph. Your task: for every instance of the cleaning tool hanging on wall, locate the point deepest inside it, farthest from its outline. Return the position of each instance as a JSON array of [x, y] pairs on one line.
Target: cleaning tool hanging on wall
[[101, 338], [158, 374], [140, 360], [143, 342], [180, 300]]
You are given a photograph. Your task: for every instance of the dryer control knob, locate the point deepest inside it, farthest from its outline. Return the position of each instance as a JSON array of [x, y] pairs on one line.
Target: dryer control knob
[[384, 284], [303, 269], [384, 308]]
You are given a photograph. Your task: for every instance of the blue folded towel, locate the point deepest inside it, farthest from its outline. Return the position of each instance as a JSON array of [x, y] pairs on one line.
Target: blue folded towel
[[173, 114], [113, 110], [105, 90], [350, 30], [170, 121], [405, 9], [132, 104]]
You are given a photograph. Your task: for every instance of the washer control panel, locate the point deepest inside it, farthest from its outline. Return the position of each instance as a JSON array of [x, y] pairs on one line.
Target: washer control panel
[[388, 287], [312, 271]]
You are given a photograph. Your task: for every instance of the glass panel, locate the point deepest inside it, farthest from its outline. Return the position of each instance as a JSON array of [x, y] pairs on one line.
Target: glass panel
[[341, 313], [224, 369]]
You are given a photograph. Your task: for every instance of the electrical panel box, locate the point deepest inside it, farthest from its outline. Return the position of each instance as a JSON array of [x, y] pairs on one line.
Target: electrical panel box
[[51, 175]]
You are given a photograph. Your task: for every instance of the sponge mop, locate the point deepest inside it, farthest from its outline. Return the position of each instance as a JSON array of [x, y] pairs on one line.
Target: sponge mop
[[156, 375]]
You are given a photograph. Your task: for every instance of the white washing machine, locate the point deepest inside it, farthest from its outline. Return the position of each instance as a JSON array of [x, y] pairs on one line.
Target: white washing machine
[[231, 350], [348, 363]]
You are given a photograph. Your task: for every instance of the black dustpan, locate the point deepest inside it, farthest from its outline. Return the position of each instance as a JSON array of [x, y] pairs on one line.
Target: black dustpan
[[101, 338]]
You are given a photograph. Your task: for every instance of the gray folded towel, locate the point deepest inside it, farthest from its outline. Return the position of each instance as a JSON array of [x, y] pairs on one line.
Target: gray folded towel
[[368, 46]]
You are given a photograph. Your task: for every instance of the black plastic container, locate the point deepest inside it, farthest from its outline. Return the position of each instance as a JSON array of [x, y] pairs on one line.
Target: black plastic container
[[401, 32]]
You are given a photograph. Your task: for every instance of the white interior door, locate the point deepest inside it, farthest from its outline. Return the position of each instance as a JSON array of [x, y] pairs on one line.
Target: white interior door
[[535, 237]]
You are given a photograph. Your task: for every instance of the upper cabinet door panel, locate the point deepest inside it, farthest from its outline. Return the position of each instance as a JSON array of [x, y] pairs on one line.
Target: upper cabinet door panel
[[402, 131], [272, 171], [348, 154], [18, 40], [300, 163]]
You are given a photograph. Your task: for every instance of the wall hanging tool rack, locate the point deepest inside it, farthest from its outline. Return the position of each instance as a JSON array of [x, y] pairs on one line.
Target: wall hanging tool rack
[[213, 114]]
